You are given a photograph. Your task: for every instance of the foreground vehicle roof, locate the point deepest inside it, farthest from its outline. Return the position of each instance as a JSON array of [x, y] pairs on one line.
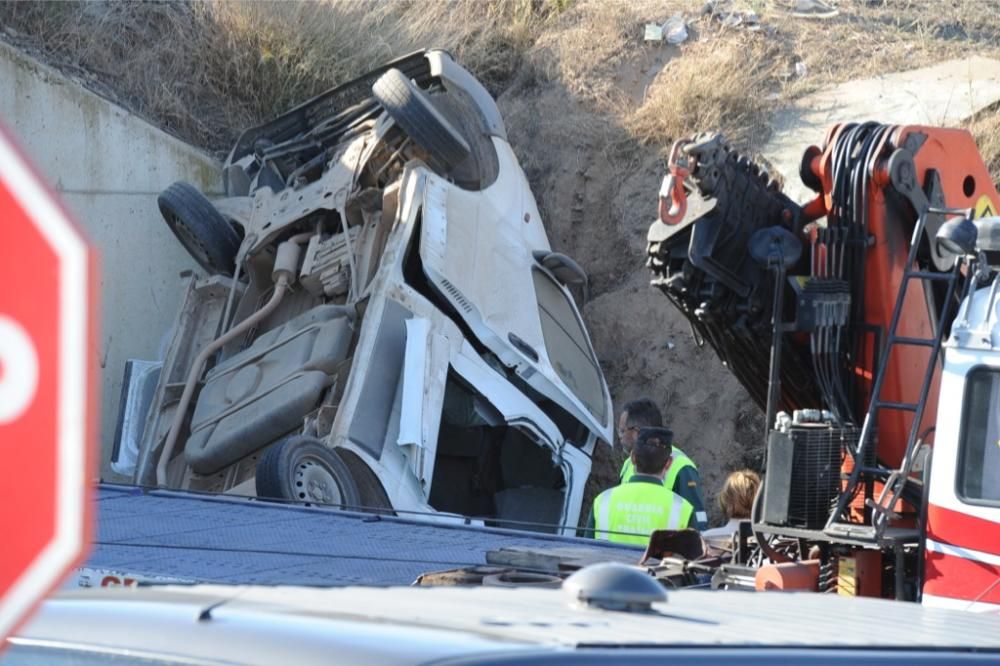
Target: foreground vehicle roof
[[491, 625], [688, 617], [191, 538]]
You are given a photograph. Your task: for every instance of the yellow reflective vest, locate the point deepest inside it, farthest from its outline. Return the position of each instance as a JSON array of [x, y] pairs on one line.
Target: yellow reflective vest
[[637, 508], [680, 461]]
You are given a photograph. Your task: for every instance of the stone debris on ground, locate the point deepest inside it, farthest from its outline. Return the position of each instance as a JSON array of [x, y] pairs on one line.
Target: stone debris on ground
[[723, 12], [812, 9], [673, 31], [732, 16]]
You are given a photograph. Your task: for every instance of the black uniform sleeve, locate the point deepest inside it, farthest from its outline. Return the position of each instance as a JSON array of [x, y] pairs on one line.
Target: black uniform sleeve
[[688, 485], [591, 524]]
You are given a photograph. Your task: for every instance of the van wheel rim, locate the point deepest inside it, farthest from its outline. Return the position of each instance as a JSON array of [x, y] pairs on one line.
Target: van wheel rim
[[191, 241], [314, 482]]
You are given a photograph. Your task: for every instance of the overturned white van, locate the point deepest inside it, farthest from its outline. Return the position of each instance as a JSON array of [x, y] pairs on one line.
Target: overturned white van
[[383, 324]]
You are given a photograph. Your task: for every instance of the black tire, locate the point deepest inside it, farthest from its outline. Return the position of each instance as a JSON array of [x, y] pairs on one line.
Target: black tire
[[373, 496], [413, 112], [302, 469], [207, 236]]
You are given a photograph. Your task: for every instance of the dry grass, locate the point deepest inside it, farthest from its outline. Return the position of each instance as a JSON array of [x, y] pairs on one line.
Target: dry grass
[[985, 129], [724, 84], [586, 45], [204, 70], [870, 38], [732, 78]]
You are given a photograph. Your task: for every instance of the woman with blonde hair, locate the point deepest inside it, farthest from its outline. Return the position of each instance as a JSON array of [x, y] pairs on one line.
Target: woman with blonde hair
[[736, 501]]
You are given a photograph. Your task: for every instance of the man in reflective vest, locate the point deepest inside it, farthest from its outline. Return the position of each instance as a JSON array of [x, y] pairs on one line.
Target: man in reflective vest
[[682, 476], [628, 513]]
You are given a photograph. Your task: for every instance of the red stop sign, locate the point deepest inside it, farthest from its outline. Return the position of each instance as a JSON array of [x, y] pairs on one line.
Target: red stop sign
[[47, 394]]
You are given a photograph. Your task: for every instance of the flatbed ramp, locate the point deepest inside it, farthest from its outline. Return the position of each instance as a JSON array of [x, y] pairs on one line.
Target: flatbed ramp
[[158, 535]]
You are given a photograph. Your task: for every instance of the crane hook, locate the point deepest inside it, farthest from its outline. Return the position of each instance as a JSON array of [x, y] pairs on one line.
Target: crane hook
[[673, 198]]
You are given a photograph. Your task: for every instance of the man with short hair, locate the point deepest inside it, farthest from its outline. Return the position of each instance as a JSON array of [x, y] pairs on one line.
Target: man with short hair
[[628, 513], [682, 476]]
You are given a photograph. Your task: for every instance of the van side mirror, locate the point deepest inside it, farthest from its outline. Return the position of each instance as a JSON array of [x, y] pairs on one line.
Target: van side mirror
[[564, 269], [957, 237]]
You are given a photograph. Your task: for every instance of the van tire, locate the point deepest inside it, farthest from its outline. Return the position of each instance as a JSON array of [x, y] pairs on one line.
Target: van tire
[[410, 108], [373, 495], [207, 236], [303, 469]]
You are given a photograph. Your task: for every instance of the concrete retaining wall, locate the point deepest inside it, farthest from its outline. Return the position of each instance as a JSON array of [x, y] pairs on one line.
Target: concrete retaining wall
[[109, 166]]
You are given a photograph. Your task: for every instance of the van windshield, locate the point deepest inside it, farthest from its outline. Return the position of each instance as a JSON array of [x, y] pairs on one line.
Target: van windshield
[[567, 346]]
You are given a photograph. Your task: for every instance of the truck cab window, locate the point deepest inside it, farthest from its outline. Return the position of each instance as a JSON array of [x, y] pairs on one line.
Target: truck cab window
[[979, 464]]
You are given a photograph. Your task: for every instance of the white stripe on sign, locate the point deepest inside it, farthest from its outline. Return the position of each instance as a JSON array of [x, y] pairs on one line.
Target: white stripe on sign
[[604, 516], [675, 515], [18, 370], [964, 553], [934, 601]]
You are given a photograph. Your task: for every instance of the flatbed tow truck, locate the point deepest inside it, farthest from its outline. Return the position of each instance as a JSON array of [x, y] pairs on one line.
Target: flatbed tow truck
[[166, 536]]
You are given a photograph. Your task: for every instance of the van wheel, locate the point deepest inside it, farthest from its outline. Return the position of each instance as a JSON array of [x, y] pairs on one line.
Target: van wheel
[[373, 496], [207, 236], [302, 469], [409, 106]]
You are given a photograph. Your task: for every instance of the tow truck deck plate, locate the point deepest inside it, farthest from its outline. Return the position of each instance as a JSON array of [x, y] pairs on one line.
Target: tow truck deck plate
[[157, 533]]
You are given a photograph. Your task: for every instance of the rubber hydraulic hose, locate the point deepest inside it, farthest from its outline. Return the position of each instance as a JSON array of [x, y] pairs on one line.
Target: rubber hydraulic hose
[[280, 287]]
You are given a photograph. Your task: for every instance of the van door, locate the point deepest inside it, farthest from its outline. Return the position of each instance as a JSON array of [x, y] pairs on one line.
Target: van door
[[499, 457], [477, 249]]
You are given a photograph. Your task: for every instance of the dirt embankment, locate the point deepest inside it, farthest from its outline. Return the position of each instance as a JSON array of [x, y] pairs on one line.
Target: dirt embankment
[[589, 107], [596, 189]]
